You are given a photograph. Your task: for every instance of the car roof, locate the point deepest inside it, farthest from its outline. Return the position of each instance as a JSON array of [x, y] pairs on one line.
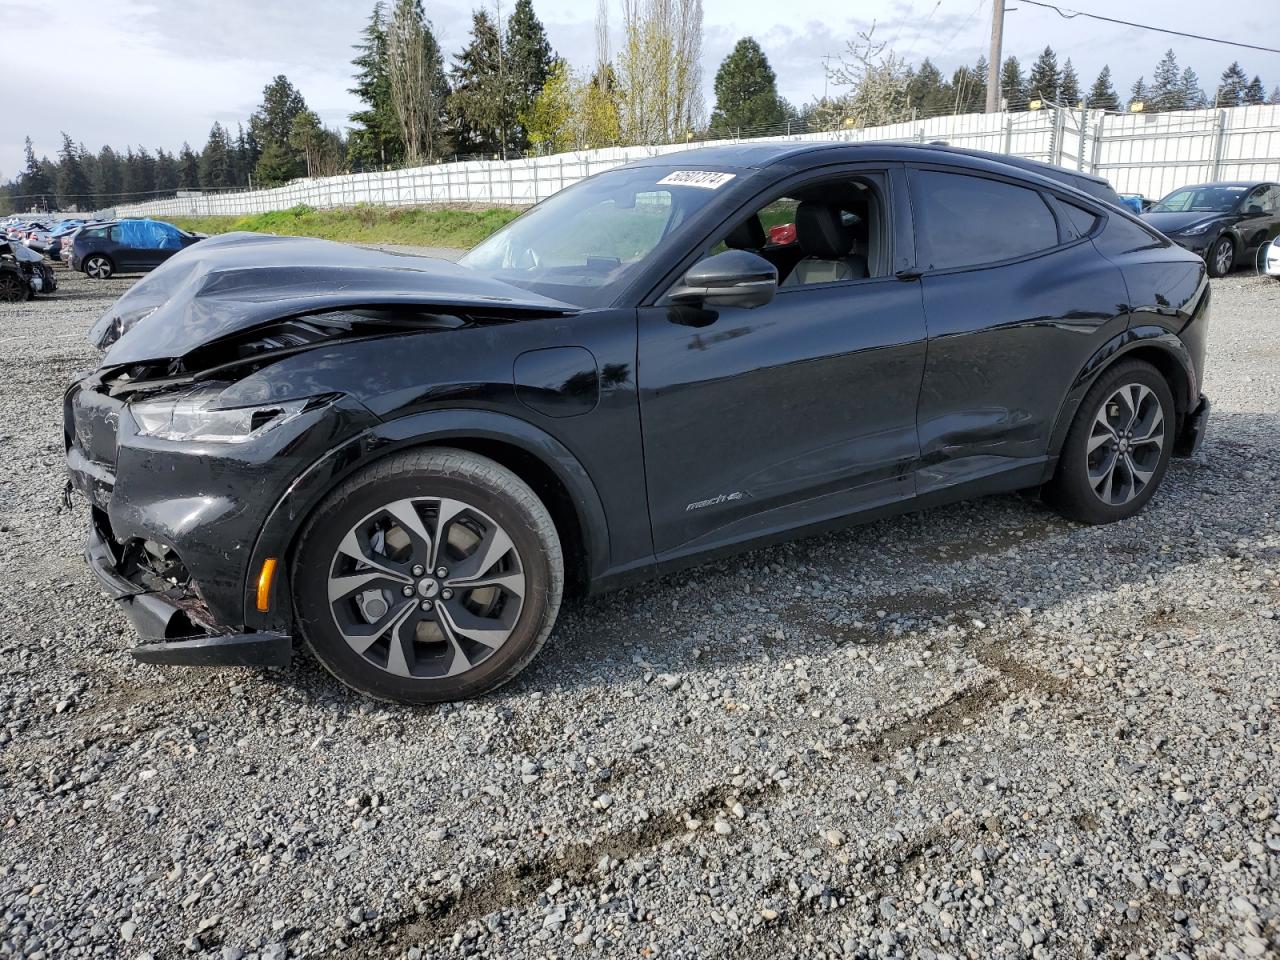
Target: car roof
[[1224, 183], [787, 152]]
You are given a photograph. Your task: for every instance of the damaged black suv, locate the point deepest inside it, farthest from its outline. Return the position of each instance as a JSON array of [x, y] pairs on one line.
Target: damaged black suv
[[405, 463]]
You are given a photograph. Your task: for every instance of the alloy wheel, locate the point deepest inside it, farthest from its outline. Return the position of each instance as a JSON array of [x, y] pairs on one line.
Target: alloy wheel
[[1222, 256], [426, 587], [1125, 444], [12, 290], [98, 268]]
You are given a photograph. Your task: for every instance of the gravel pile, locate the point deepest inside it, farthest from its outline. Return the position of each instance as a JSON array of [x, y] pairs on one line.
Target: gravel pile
[[978, 731]]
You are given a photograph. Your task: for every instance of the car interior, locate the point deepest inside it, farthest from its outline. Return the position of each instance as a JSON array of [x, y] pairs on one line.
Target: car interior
[[828, 232]]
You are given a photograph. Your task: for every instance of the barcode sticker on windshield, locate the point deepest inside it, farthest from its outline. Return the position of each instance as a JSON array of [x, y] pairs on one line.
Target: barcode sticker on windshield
[[707, 179]]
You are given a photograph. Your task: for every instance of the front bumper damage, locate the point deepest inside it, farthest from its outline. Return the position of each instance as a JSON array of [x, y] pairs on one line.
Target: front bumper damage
[[166, 619], [193, 606]]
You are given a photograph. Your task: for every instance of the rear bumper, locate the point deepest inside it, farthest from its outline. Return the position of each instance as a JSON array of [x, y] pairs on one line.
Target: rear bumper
[[1193, 430], [164, 622]]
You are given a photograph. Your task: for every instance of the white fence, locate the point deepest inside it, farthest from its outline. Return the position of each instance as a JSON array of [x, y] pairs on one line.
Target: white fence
[[1139, 153]]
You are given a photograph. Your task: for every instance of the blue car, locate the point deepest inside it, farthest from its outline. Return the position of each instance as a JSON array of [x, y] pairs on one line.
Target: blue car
[[127, 246]]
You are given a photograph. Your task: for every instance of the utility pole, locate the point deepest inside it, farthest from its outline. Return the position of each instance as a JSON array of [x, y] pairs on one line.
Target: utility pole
[[993, 57]]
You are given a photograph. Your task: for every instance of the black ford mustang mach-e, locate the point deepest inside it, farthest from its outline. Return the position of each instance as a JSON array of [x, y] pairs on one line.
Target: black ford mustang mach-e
[[405, 463]]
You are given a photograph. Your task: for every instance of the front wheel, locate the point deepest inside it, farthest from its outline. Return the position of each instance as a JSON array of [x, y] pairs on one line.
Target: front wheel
[[98, 267], [1222, 257], [13, 289], [432, 575], [1118, 447]]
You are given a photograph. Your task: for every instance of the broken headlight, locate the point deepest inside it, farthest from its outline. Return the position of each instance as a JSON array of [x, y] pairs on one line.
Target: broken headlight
[[192, 415]]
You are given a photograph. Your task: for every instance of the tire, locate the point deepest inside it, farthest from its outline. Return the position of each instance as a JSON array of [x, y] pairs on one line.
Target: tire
[[98, 267], [435, 636], [1221, 257], [1134, 446], [13, 289]]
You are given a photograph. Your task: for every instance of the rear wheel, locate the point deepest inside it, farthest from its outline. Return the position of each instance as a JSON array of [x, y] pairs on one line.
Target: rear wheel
[[431, 575], [1222, 257], [98, 267], [13, 289], [1118, 448]]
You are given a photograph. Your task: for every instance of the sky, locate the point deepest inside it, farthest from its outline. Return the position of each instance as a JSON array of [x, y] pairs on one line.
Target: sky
[[158, 72]]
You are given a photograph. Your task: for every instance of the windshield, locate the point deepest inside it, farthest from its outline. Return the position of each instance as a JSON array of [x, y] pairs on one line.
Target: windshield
[[583, 243], [1213, 199]]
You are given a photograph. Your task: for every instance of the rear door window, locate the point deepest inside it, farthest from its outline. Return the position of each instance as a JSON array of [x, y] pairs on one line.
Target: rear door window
[[966, 221]]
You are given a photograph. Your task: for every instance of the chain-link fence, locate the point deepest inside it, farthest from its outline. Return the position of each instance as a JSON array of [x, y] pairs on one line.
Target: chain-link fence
[[1149, 154]]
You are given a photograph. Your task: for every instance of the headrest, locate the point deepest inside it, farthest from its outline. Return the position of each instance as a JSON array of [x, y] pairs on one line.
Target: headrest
[[748, 235], [820, 232]]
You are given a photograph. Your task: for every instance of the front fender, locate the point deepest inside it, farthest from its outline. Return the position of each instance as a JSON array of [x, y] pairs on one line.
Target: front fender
[[285, 521]]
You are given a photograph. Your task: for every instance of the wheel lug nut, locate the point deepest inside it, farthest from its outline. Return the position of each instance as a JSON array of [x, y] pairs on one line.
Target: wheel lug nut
[[426, 604], [446, 594], [407, 590], [441, 572], [418, 570]]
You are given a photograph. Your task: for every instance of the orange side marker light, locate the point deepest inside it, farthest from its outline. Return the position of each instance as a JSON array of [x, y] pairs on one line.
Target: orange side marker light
[[264, 584]]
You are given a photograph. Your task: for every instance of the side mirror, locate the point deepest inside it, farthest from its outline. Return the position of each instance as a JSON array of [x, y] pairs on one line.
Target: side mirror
[[734, 278], [1254, 209]]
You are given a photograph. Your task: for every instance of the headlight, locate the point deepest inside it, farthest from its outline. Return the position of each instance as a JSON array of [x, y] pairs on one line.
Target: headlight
[[1198, 228], [192, 416]]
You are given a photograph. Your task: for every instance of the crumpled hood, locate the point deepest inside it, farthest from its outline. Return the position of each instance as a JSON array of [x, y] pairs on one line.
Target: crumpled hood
[[1176, 221], [237, 281]]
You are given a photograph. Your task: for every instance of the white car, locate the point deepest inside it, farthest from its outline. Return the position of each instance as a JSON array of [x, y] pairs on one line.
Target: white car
[[1271, 259]]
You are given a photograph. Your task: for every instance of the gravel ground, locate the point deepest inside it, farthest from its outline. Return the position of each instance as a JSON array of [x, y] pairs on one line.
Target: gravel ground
[[978, 731]]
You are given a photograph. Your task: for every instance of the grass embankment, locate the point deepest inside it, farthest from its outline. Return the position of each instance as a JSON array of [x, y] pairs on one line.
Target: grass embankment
[[415, 226]]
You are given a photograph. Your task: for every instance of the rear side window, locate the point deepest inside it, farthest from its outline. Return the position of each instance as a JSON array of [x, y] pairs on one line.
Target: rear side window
[[1080, 222], [965, 221]]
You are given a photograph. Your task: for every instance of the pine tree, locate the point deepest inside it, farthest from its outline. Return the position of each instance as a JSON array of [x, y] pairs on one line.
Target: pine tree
[[973, 97], [528, 63], [481, 98], [215, 161], [1013, 88], [188, 168], [1139, 93], [1275, 95], [1102, 95], [271, 125], [1255, 93], [1069, 85], [1045, 79], [1192, 96], [746, 91], [35, 185], [927, 93], [375, 140], [166, 172], [1166, 91], [108, 181], [968, 93], [1231, 86], [73, 185]]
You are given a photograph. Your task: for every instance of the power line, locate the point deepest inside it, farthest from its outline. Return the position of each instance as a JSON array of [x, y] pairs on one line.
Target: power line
[[1069, 14]]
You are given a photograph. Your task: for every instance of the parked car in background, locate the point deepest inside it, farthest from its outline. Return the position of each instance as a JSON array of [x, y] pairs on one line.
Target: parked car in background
[[1226, 223], [1271, 259], [127, 246], [1137, 202], [49, 241], [23, 273], [403, 462]]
